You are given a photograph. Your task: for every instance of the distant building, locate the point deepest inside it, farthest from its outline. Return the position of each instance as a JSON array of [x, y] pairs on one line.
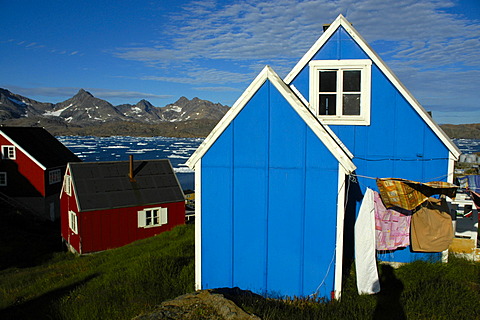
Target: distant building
[[470, 158], [32, 166], [106, 205]]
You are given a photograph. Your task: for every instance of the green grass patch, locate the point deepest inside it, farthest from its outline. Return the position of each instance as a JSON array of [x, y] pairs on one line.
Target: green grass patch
[[125, 282], [115, 284], [419, 290]]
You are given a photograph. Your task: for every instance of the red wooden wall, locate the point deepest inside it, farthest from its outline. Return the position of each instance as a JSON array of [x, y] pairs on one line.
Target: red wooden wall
[[112, 228], [24, 176]]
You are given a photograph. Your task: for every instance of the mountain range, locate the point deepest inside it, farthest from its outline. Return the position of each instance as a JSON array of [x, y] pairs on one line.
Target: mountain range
[[84, 114], [85, 109]]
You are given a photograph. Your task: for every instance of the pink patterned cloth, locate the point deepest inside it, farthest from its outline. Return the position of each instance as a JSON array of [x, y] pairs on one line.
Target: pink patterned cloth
[[392, 228]]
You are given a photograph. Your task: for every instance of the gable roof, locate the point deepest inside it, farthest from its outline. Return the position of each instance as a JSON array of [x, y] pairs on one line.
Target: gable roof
[[39, 145], [341, 21], [328, 138], [106, 185]]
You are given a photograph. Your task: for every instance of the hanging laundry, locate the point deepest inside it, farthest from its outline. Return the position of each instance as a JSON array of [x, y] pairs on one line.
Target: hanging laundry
[[408, 194], [431, 227], [392, 228], [365, 258]]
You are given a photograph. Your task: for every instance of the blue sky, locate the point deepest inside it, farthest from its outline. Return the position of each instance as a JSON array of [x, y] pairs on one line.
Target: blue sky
[[124, 51]]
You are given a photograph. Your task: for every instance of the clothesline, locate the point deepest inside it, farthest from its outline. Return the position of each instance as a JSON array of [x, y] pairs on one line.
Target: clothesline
[[400, 159], [375, 178]]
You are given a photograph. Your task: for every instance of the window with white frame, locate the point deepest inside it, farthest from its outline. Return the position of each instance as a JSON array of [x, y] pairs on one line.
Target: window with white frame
[[3, 179], [152, 217], [67, 185], [72, 221], [8, 152], [54, 176], [340, 91]]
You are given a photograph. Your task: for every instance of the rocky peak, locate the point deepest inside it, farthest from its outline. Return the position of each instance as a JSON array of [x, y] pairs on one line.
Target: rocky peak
[[144, 105], [182, 101], [82, 95]]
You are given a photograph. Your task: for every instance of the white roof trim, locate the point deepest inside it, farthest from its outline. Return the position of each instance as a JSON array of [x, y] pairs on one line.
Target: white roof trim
[[341, 21], [325, 135], [73, 187], [23, 150]]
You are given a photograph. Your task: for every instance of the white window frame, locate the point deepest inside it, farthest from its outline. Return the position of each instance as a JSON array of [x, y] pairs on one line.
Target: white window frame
[[67, 185], [73, 221], [54, 176], [3, 179], [11, 152], [152, 217], [365, 68]]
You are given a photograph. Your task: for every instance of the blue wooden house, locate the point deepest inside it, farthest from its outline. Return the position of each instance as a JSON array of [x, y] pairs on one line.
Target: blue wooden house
[[279, 180]]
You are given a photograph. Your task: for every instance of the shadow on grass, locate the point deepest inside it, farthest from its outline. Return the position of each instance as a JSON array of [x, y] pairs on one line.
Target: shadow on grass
[[389, 305], [25, 240], [43, 307]]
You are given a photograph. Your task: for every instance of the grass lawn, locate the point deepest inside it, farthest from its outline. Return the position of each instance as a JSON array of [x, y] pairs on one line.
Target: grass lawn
[[125, 282], [115, 284]]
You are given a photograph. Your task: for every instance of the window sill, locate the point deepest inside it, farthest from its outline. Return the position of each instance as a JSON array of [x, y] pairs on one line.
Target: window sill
[[354, 121]]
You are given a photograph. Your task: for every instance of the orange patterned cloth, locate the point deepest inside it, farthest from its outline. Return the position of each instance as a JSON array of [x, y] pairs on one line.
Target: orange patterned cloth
[[408, 194]]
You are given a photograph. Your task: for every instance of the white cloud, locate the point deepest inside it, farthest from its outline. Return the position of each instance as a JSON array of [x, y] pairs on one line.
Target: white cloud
[[203, 76], [217, 89], [68, 92], [210, 42]]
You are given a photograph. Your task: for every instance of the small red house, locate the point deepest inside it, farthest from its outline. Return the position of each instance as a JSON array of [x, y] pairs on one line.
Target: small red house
[[106, 205], [32, 165]]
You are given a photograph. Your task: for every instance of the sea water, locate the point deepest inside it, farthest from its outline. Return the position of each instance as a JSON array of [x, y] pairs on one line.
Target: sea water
[[468, 145], [118, 148], [177, 150]]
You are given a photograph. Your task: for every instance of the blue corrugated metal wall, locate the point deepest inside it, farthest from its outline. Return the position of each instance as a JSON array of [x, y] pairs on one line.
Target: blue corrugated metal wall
[[398, 143], [269, 190]]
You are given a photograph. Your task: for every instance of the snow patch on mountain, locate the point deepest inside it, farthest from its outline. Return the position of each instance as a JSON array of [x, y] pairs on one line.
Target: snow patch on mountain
[[56, 113]]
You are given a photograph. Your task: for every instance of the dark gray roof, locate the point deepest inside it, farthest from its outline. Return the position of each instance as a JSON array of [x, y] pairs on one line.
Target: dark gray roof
[[41, 145], [106, 185]]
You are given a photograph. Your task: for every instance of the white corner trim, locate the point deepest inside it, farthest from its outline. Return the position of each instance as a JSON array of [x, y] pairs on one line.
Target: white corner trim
[[73, 188], [198, 225], [451, 167], [23, 151], [299, 95], [341, 204]]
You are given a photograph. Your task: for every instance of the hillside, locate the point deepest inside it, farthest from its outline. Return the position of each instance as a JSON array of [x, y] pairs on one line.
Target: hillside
[[465, 131]]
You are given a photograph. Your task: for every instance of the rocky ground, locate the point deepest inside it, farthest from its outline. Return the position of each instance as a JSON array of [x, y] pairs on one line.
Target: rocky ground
[[203, 305]]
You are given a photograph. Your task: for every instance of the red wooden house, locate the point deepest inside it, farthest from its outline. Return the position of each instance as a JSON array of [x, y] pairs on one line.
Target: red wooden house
[[106, 205], [32, 165]]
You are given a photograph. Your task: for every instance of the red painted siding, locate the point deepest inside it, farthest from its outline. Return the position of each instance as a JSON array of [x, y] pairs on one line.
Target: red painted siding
[[24, 176], [107, 229], [113, 228]]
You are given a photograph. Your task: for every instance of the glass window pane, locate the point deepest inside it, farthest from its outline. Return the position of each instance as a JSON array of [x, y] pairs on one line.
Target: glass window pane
[[351, 104], [351, 81], [328, 81], [327, 104], [148, 217]]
